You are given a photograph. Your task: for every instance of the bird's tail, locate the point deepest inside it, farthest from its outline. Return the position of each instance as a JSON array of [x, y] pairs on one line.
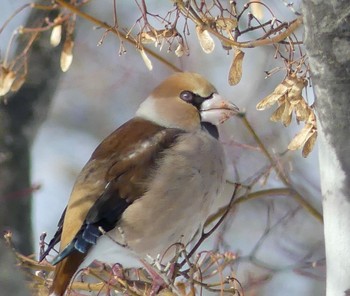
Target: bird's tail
[[64, 272]]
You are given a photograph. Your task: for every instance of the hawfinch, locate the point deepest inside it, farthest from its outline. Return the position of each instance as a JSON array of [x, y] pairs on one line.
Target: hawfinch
[[149, 184]]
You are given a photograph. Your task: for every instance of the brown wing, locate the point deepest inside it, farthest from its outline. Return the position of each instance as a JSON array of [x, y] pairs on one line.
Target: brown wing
[[113, 178]]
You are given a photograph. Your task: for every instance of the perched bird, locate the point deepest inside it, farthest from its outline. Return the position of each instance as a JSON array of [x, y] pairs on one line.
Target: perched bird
[[149, 184]]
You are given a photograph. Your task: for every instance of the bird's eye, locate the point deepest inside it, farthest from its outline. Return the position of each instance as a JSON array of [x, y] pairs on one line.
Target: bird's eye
[[186, 95]]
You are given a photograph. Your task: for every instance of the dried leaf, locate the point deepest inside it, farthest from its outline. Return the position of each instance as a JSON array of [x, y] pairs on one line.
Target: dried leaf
[[146, 60], [6, 80], [56, 35], [67, 55], [299, 140], [277, 115], [225, 23], [235, 73], [309, 144], [205, 40], [168, 33]]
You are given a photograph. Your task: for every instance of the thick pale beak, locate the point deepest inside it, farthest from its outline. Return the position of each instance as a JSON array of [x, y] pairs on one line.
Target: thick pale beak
[[217, 110]]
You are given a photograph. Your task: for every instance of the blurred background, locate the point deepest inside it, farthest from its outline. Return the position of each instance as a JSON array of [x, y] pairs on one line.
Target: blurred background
[[275, 238]]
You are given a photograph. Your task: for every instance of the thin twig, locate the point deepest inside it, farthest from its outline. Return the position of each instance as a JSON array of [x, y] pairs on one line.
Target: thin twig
[[295, 195], [268, 193], [17, 11], [120, 34], [204, 234], [189, 12]]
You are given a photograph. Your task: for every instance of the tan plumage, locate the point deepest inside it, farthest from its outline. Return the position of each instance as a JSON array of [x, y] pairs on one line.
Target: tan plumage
[[162, 168]]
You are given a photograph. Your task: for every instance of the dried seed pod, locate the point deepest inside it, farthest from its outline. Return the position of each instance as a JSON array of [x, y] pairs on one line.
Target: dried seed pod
[[67, 55], [309, 144], [278, 94], [228, 24], [292, 87], [7, 77], [277, 115], [205, 40], [179, 50], [147, 37], [235, 73], [302, 110], [287, 114], [56, 35], [146, 60], [225, 45], [181, 287], [167, 292], [288, 95], [156, 36], [257, 10], [299, 140], [17, 84], [297, 86], [312, 118]]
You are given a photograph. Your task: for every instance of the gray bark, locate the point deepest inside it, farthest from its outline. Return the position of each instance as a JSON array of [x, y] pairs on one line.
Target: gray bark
[[19, 121], [11, 277], [327, 27]]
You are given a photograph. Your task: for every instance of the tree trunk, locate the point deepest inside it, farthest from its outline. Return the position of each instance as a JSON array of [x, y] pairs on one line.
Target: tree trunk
[[19, 121], [327, 27], [11, 277]]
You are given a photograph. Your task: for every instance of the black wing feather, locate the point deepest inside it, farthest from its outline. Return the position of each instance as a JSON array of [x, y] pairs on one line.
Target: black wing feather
[[56, 238]]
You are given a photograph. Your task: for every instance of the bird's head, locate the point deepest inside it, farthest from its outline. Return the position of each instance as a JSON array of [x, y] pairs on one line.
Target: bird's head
[[185, 100]]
